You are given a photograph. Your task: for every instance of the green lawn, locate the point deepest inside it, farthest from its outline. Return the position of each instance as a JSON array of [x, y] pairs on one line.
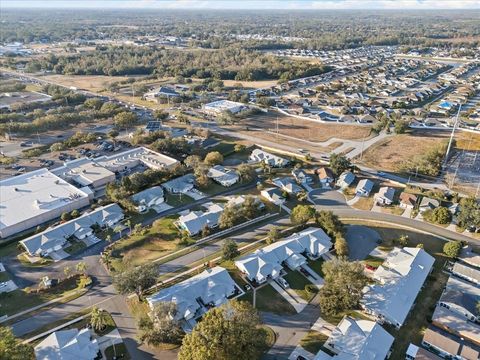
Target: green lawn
[[9, 249], [139, 249], [313, 341], [4, 276], [119, 352], [316, 265], [19, 300], [298, 282], [335, 319], [178, 200], [269, 300]]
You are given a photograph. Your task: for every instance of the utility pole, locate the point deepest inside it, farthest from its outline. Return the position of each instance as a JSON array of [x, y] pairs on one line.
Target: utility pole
[[451, 136]]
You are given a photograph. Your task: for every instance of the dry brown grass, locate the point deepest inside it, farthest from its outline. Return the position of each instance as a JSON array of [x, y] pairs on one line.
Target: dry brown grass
[[307, 130], [468, 141], [93, 83], [388, 153], [250, 84]]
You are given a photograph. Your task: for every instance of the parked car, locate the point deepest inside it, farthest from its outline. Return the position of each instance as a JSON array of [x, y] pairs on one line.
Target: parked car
[[283, 283], [370, 267], [247, 287], [304, 271]]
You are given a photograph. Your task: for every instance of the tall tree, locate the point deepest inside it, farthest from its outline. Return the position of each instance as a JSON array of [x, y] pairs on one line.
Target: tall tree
[[213, 158], [301, 214], [12, 348], [162, 327], [230, 331], [329, 222], [229, 249], [343, 286], [247, 173], [137, 279], [339, 163]]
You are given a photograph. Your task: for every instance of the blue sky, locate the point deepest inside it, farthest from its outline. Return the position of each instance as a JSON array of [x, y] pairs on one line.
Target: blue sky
[[246, 4]]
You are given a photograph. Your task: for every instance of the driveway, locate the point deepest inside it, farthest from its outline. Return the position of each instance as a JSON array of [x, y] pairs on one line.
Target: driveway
[[327, 198], [361, 241]]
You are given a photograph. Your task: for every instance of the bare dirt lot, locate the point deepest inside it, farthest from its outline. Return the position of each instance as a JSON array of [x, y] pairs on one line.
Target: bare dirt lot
[[305, 129], [250, 84]]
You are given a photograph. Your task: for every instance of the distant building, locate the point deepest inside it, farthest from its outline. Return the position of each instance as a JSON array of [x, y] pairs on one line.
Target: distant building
[[449, 346], [35, 198], [301, 176], [217, 107], [222, 175], [163, 91], [345, 180], [68, 345], [364, 187], [258, 155]]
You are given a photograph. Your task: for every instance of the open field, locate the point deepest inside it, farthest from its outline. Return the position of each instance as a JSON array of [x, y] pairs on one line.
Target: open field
[[87, 82], [305, 129], [388, 153], [250, 84]]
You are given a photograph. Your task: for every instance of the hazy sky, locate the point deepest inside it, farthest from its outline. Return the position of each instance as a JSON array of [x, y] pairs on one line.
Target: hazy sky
[[246, 4]]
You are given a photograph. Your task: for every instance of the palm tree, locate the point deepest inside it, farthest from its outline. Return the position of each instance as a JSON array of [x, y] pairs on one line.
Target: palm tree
[[81, 267], [98, 318], [129, 224], [109, 238], [67, 271], [118, 229]]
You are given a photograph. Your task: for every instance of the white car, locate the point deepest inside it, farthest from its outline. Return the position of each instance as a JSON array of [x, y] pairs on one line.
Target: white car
[[283, 283]]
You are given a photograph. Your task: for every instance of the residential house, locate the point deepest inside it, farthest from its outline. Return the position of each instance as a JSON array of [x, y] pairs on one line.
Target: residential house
[[259, 155], [287, 184], [385, 196], [180, 185], [148, 199], [222, 175], [274, 195], [407, 200], [161, 92], [462, 298], [301, 176], [238, 201], [194, 221], [456, 324], [267, 263], [67, 345], [54, 239], [196, 295], [358, 340], [326, 177], [417, 353], [428, 204], [449, 346], [398, 281], [364, 187], [470, 257], [345, 179], [466, 272]]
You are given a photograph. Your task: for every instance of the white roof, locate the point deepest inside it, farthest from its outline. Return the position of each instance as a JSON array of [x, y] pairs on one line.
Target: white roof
[[67, 345], [194, 221], [221, 173], [57, 235], [212, 286], [150, 158], [222, 105], [32, 194], [386, 192], [267, 261], [360, 340], [261, 155], [148, 196], [400, 279], [84, 171]]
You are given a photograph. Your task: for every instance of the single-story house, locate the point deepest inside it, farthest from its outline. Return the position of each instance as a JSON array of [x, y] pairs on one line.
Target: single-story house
[[466, 272], [196, 295], [301, 176], [407, 200], [385, 196], [259, 155], [68, 344], [162, 91], [364, 187], [428, 204], [468, 256], [287, 184], [326, 176], [456, 324], [462, 298], [358, 339], [195, 221], [147, 199], [398, 281], [345, 179], [274, 195], [267, 263], [180, 185], [417, 353], [54, 239], [448, 345], [222, 175], [238, 201]]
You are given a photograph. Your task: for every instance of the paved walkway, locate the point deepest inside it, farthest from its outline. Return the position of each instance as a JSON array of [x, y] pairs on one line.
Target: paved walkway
[[296, 301]]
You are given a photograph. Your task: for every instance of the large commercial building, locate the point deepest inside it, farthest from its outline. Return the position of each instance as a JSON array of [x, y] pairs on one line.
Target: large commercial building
[[34, 198]]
